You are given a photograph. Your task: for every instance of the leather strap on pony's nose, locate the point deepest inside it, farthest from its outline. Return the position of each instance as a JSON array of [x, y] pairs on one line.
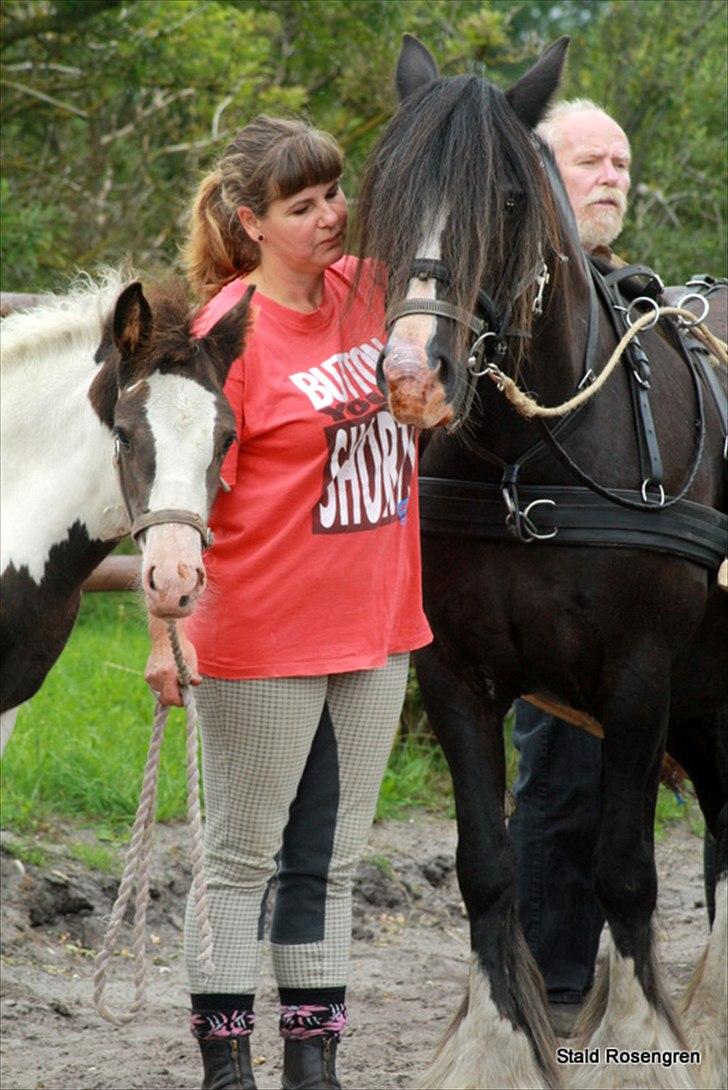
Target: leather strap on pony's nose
[[173, 514]]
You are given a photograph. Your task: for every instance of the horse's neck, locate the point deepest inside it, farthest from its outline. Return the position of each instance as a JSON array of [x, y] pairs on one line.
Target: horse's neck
[[57, 466]]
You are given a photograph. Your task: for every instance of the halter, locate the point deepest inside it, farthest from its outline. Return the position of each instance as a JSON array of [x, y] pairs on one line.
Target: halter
[[161, 515], [490, 331]]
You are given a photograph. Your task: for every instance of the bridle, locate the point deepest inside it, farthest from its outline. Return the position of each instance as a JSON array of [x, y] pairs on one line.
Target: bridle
[[162, 515], [491, 328]]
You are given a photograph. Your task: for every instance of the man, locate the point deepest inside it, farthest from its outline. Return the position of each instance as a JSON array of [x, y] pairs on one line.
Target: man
[[556, 823]]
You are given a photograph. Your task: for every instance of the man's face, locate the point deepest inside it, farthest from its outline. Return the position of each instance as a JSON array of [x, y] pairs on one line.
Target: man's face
[[593, 156]]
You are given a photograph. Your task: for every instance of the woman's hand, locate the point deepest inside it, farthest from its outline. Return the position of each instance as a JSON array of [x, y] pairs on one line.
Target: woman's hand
[[161, 670]]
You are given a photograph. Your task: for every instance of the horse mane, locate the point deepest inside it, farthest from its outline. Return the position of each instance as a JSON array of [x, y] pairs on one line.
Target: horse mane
[[456, 147], [82, 320], [63, 323]]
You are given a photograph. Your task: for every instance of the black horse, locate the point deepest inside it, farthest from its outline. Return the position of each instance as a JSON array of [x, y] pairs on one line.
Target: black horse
[[617, 615]]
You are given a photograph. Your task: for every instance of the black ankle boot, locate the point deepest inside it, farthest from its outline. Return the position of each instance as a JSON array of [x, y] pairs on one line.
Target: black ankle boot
[[227, 1063], [310, 1064]]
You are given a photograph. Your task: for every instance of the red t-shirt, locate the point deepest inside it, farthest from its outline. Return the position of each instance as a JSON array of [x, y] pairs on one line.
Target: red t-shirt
[[316, 563]]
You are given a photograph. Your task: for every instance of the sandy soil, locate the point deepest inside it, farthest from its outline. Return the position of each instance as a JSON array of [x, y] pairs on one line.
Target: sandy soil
[[408, 965]]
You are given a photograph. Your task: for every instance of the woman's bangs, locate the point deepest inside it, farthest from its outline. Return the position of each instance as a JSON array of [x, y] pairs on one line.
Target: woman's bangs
[[309, 159]]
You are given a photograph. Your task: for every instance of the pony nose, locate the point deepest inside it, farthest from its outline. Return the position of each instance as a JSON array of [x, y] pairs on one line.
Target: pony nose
[[186, 599]]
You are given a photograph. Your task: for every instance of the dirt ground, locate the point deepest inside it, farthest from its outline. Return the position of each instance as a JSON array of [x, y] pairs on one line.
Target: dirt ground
[[408, 965]]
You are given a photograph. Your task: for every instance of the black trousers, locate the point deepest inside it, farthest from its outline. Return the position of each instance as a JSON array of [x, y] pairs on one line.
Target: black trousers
[[554, 832]]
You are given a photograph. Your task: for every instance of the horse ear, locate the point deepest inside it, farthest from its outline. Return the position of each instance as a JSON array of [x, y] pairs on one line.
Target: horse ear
[[226, 340], [531, 95], [416, 67], [132, 321]]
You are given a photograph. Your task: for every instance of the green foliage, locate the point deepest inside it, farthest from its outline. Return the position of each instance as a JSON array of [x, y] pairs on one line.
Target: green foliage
[[670, 98], [111, 111]]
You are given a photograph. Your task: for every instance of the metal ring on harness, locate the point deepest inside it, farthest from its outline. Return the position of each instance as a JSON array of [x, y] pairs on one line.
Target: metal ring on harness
[[538, 535], [684, 322], [477, 344], [660, 491], [643, 299]]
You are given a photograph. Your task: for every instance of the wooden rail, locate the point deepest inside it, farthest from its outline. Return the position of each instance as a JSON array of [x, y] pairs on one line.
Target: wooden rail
[[115, 573]]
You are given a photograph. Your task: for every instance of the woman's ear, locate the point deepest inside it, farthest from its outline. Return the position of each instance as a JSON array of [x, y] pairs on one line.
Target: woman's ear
[[249, 223]]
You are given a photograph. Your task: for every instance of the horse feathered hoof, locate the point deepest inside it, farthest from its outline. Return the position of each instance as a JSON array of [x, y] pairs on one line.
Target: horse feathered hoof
[[482, 1051], [619, 1025], [706, 999]]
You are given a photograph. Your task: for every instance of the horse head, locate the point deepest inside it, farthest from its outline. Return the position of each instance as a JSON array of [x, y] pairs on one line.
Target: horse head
[[458, 204], [160, 392]]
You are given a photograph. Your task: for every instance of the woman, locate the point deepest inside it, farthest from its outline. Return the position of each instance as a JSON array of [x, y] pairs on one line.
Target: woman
[[314, 599]]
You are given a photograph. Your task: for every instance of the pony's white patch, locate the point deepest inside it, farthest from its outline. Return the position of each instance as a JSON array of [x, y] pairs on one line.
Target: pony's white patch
[[484, 1051], [420, 328], [181, 415], [631, 1024], [706, 1001], [57, 464], [7, 725]]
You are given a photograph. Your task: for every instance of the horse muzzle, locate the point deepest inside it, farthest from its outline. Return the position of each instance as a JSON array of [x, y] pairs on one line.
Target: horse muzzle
[[415, 391], [173, 573]]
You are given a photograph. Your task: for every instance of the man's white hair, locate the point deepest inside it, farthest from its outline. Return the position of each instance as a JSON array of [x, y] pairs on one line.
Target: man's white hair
[[548, 126]]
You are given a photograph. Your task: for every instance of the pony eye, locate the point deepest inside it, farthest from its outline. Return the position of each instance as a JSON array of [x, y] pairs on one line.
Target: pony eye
[[227, 443], [121, 438]]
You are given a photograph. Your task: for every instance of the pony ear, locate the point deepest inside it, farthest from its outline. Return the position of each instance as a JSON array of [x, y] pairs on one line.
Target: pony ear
[[132, 323], [226, 340], [416, 67], [530, 96]]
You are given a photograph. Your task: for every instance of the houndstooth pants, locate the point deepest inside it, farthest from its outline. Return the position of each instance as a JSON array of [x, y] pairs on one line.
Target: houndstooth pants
[[291, 770]]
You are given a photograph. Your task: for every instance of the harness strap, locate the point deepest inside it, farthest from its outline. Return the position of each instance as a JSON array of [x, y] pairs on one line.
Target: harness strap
[[570, 515], [437, 307]]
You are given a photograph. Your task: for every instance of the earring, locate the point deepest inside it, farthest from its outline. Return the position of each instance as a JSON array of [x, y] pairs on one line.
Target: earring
[[260, 238]]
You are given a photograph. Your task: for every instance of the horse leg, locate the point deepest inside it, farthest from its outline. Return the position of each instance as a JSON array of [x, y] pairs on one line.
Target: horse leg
[[628, 1011], [700, 746], [501, 1037]]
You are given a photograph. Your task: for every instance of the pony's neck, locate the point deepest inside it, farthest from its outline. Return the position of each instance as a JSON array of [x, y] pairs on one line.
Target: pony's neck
[[57, 467]]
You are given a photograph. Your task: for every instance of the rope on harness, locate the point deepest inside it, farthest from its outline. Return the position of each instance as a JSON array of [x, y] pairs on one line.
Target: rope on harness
[[529, 408], [136, 868]]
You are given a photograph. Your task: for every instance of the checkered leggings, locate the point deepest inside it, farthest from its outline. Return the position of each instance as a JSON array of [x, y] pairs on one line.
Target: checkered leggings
[[291, 769]]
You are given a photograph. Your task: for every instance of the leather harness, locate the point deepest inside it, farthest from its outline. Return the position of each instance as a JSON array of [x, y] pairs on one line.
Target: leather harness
[[590, 515]]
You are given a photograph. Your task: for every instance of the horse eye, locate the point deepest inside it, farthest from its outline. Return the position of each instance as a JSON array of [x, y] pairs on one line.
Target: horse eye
[[227, 443], [121, 438]]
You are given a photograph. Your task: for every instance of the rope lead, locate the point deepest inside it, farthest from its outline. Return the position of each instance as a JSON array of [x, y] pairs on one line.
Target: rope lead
[[136, 867], [528, 408]]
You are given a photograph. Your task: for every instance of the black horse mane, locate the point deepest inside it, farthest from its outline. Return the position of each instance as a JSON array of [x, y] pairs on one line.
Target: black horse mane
[[457, 148]]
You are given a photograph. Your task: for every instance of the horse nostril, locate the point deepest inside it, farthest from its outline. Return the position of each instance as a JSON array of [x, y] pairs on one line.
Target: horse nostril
[[184, 601], [152, 584]]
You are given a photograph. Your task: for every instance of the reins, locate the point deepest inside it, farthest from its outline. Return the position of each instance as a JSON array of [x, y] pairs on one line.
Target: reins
[[136, 868], [529, 408]]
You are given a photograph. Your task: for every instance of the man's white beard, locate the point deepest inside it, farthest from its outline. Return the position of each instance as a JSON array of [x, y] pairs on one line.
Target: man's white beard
[[600, 224]]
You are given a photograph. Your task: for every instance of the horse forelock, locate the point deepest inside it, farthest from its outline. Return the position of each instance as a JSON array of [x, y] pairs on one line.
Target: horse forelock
[[456, 149]]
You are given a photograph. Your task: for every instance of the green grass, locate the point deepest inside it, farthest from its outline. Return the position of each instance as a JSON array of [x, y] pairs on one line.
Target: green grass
[[79, 747]]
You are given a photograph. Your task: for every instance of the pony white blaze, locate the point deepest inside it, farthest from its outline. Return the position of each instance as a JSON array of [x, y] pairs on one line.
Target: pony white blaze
[[181, 415]]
